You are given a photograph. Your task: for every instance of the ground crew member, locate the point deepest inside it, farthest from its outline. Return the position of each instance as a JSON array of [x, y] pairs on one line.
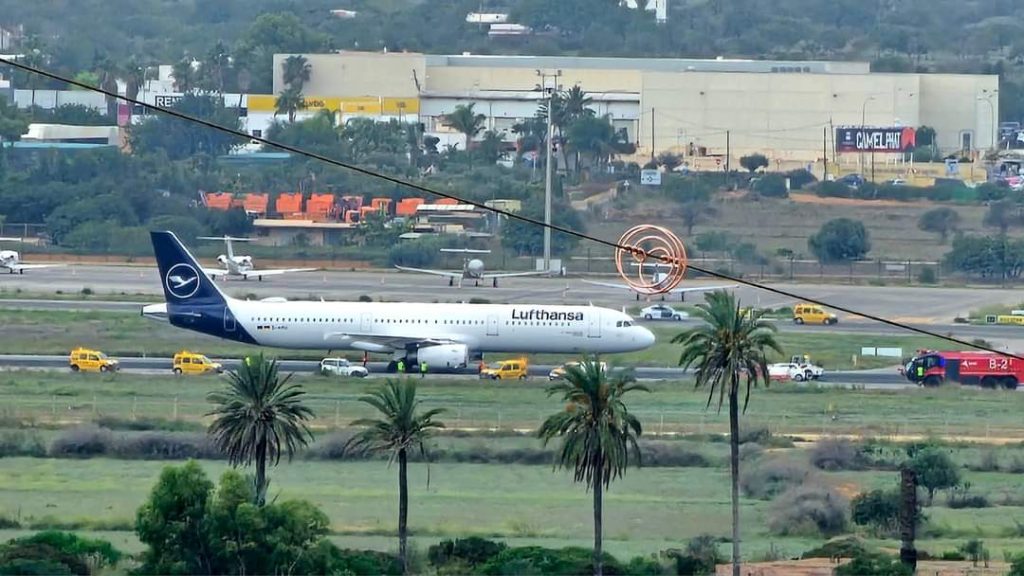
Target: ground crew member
[[920, 371], [423, 369], [401, 366]]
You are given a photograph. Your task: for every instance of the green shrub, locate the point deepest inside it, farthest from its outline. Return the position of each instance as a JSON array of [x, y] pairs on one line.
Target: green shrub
[[21, 443], [875, 564], [927, 275], [772, 186], [473, 551], [699, 557], [54, 552], [877, 508], [644, 566], [844, 547], [547, 561]]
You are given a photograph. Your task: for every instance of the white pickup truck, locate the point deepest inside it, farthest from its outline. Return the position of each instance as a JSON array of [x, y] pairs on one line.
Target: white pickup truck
[[342, 367]]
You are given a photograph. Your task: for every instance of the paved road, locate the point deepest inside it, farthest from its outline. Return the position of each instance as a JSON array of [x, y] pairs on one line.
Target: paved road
[[867, 378], [915, 304]]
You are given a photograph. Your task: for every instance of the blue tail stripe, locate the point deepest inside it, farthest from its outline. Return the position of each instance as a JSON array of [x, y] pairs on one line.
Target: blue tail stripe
[[181, 275]]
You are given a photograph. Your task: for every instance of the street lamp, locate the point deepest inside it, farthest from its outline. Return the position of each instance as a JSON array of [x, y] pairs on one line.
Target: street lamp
[[863, 131], [992, 114], [547, 166]]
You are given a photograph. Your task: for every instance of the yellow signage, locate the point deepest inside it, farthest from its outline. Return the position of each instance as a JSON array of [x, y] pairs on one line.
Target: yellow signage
[[363, 106], [1009, 319]]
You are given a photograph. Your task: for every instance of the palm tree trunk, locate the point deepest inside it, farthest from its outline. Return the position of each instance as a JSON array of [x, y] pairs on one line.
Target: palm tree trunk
[[261, 473], [598, 523], [734, 469], [403, 509]]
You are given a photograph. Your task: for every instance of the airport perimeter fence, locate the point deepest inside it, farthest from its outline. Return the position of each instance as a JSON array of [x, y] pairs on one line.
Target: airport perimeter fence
[[802, 270], [62, 411]]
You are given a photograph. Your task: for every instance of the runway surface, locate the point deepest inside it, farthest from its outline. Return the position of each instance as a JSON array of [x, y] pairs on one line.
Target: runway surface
[[904, 304], [885, 378]]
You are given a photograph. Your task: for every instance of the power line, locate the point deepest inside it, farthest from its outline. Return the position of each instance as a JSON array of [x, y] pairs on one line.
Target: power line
[[400, 182]]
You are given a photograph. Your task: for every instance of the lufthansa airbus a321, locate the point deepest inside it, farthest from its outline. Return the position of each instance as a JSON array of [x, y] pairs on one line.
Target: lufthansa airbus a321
[[443, 335]]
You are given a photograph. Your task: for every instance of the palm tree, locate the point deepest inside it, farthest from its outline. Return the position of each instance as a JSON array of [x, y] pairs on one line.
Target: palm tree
[[465, 121], [108, 71], [728, 351], [259, 416], [213, 68], [399, 430], [295, 71], [597, 431], [184, 74], [289, 102]]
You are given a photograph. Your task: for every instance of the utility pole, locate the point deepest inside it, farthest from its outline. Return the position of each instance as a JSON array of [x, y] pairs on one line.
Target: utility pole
[[547, 164], [728, 155], [824, 152], [652, 133]]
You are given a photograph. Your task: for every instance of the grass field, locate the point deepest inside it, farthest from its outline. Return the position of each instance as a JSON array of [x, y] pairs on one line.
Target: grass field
[[651, 509], [128, 334], [42, 398]]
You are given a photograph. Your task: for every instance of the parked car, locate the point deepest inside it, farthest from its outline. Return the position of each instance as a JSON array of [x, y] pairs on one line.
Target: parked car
[[342, 367], [662, 312]]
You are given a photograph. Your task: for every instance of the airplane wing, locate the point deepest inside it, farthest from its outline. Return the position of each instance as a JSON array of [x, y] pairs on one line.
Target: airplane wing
[[378, 342], [445, 273], [215, 272], [512, 274], [20, 267], [277, 272], [682, 290]]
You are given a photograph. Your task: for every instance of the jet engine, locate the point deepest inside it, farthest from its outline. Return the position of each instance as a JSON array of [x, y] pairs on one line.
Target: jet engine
[[444, 356]]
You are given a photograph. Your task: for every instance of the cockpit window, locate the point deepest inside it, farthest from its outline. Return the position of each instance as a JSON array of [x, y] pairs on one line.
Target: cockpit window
[[626, 323]]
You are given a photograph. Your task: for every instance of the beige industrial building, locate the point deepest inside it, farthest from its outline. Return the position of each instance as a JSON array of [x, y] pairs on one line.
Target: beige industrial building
[[789, 111]]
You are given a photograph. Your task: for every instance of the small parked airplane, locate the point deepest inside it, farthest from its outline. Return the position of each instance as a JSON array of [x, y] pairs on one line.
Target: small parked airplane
[[658, 279], [472, 269], [241, 266], [11, 259]]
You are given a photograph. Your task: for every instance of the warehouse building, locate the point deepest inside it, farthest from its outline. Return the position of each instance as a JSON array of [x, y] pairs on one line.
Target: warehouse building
[[789, 111]]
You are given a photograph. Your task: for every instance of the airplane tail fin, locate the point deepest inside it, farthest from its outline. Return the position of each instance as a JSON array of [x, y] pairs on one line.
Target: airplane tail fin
[[183, 279]]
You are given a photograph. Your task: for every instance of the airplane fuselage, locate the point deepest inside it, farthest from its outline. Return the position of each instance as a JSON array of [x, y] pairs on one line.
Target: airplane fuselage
[[368, 326]]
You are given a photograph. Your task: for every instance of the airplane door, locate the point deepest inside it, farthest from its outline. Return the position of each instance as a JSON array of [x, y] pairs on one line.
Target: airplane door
[[492, 325], [593, 324], [366, 323], [229, 320]]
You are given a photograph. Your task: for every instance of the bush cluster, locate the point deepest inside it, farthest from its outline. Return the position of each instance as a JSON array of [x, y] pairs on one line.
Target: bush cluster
[[837, 454], [808, 510], [766, 478], [91, 441]]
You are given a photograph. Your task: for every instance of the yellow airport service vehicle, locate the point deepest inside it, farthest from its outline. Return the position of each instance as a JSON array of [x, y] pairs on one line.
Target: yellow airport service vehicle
[[506, 370], [812, 314], [86, 360], [186, 362]]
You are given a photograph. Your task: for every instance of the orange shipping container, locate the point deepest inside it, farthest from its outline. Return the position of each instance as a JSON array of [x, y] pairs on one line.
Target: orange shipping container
[[288, 204], [321, 205], [446, 201], [381, 204], [407, 206], [218, 200], [256, 203]]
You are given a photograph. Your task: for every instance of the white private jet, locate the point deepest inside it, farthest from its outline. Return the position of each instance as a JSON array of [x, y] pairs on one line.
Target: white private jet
[[472, 269], [11, 260], [241, 266], [658, 278], [443, 335]]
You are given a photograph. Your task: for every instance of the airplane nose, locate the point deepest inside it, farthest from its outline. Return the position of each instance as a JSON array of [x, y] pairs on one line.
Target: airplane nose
[[646, 337]]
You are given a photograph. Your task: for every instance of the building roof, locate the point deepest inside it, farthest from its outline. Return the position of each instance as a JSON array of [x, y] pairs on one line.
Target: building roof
[[270, 223], [646, 64], [526, 95]]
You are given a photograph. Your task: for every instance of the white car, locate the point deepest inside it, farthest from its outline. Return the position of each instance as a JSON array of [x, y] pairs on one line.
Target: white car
[[662, 312], [342, 367], [796, 372]]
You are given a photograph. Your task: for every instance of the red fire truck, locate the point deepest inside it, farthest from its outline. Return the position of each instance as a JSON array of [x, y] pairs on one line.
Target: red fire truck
[[975, 368]]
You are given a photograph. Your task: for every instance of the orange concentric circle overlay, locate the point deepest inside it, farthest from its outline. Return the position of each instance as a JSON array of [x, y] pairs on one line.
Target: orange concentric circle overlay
[[651, 259]]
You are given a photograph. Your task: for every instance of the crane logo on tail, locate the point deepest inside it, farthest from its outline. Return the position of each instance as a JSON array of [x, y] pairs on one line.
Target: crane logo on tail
[[182, 280]]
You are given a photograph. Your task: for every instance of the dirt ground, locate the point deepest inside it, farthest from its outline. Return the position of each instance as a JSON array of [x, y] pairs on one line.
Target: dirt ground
[[823, 567]]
